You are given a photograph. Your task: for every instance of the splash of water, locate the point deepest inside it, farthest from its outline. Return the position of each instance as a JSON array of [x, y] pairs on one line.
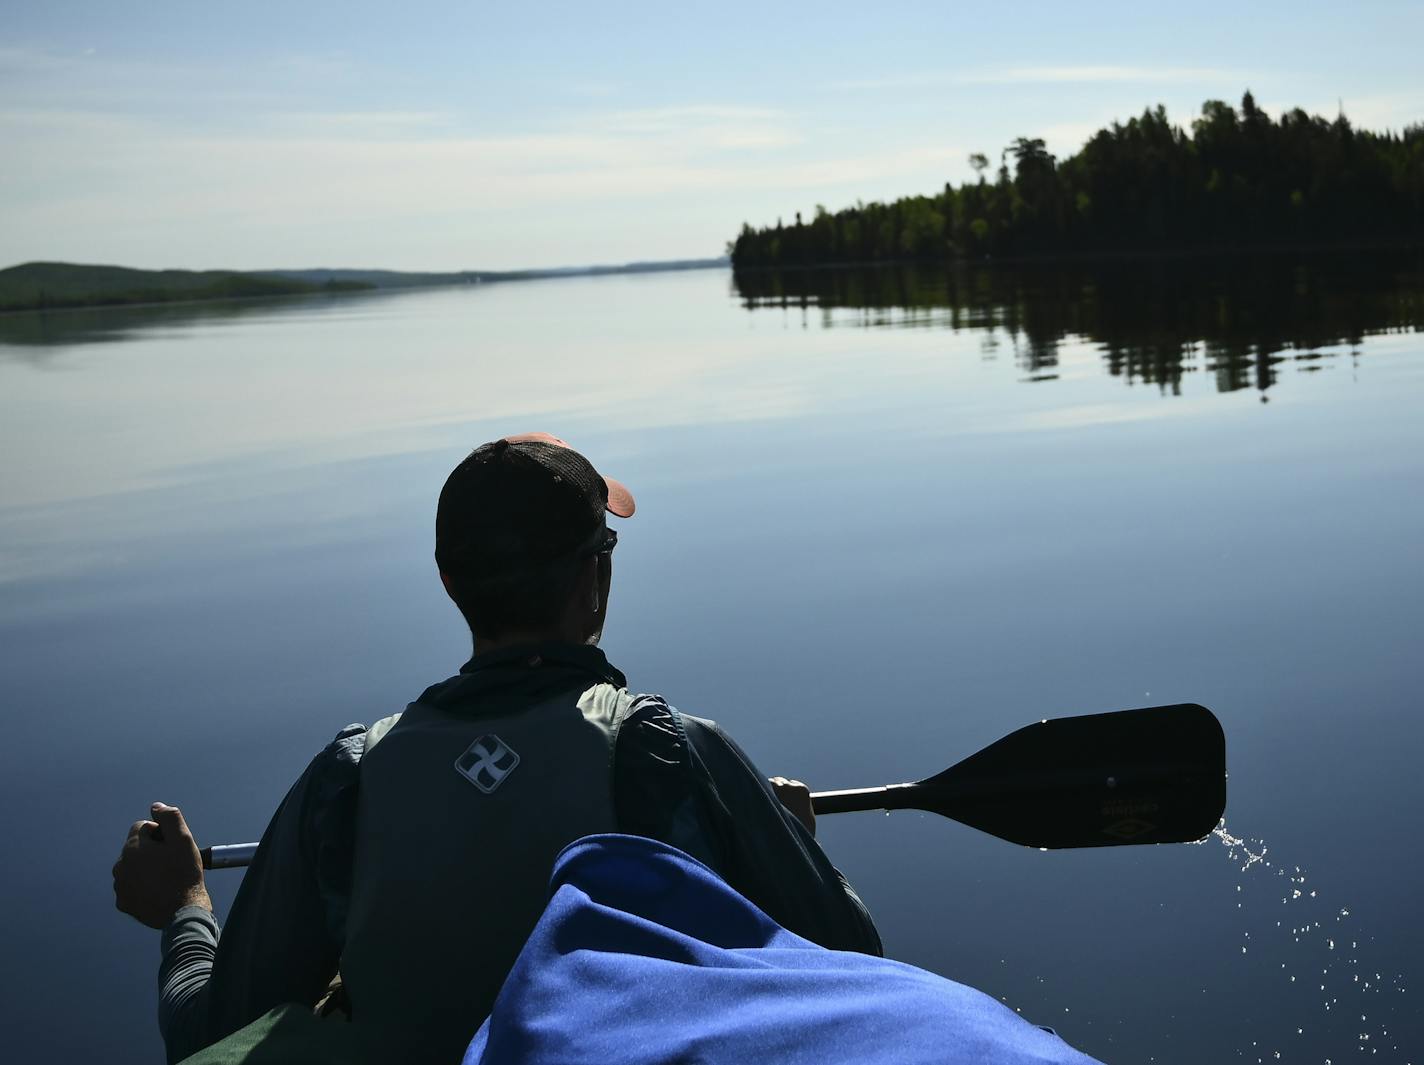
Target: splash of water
[[1240, 847], [1344, 985]]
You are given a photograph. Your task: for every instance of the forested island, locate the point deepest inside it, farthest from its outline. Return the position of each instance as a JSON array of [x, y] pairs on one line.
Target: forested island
[[1237, 180], [52, 286]]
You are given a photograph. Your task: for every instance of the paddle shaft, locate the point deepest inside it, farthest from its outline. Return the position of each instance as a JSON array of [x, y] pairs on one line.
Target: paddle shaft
[[852, 800], [228, 855], [239, 855], [909, 796]]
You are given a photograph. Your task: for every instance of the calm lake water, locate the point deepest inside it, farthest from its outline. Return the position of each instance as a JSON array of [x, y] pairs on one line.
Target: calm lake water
[[882, 521]]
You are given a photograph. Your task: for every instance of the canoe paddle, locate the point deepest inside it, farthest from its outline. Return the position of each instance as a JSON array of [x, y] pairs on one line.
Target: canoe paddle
[[1155, 775]]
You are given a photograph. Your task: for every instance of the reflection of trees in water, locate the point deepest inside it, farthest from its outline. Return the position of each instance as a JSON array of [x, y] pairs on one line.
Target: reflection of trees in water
[[34, 336], [91, 325], [1155, 320]]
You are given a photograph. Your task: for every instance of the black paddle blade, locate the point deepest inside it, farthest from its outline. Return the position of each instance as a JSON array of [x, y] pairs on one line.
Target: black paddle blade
[[1156, 775]]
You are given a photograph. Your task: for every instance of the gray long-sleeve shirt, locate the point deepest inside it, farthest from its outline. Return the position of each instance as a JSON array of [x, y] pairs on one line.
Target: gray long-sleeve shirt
[[286, 929], [189, 944], [284, 932]]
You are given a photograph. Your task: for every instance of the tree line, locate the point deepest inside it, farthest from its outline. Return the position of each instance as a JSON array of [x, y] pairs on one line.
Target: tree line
[[1237, 180]]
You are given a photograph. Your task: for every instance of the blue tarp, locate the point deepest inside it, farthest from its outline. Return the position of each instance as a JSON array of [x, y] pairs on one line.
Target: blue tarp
[[645, 955]]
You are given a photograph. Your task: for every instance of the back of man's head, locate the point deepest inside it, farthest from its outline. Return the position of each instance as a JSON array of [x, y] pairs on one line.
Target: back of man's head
[[516, 520]]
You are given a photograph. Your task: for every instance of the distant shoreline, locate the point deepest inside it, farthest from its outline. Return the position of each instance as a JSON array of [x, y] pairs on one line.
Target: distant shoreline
[[37, 288]]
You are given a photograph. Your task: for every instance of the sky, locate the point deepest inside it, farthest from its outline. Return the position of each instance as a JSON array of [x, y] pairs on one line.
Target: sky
[[441, 135]]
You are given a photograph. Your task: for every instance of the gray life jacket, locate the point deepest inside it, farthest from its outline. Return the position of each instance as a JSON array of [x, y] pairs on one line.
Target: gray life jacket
[[459, 819]]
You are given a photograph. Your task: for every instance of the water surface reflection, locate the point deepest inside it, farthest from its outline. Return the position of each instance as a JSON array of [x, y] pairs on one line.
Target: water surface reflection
[[1155, 321]]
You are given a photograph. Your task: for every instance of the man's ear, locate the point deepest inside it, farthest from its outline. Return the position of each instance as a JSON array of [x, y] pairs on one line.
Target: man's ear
[[445, 580]]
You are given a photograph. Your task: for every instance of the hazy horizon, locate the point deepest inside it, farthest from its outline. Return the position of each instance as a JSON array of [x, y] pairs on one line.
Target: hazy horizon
[[709, 259], [437, 137]]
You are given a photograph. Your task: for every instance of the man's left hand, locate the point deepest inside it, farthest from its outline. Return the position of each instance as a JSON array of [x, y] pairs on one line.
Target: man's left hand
[[159, 871]]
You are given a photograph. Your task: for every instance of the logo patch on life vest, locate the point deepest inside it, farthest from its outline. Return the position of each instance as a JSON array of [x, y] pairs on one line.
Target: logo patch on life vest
[[486, 763]]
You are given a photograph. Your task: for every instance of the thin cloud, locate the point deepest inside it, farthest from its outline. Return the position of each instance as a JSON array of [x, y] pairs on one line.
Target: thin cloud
[[1381, 111], [700, 127], [656, 120], [921, 80], [97, 81], [595, 89], [1048, 75], [347, 121], [1065, 138], [1091, 74]]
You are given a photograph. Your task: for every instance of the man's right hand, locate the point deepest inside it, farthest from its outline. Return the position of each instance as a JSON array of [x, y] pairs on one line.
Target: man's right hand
[[159, 871], [796, 797]]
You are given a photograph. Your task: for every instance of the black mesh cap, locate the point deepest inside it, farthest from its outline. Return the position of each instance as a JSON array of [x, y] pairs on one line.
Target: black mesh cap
[[519, 503]]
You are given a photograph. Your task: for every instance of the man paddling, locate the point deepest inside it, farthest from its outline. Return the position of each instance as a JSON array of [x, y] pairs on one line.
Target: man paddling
[[423, 882]]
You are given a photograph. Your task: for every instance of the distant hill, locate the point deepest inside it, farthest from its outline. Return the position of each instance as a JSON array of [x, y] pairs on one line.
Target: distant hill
[[403, 279], [379, 278], [621, 268], [41, 286]]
